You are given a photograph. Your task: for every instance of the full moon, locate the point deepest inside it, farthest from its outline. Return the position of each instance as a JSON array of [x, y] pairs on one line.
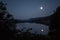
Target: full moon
[[41, 8]]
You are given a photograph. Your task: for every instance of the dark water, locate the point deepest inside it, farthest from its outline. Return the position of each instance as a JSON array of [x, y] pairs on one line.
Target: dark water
[[39, 28]]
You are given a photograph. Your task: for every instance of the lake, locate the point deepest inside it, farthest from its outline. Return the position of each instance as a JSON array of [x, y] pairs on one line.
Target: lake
[[38, 28]]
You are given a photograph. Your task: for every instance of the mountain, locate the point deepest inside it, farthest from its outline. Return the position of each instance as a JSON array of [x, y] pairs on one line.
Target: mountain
[[40, 20]]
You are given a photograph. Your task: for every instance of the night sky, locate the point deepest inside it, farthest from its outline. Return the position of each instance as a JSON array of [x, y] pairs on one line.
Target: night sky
[[25, 9]]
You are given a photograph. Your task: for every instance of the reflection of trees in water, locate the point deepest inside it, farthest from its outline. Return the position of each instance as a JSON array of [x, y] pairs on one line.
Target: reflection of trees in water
[[9, 32]]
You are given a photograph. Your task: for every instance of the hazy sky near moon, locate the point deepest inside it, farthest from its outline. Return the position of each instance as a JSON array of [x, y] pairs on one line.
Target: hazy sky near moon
[[41, 8], [24, 9]]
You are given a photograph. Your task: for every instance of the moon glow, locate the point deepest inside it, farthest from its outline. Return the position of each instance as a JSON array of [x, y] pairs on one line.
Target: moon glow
[[41, 8]]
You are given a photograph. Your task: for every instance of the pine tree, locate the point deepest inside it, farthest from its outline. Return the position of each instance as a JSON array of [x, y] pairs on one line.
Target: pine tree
[[7, 27]]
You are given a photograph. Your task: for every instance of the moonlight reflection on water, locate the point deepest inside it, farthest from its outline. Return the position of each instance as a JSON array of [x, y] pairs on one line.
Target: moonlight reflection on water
[[39, 28]]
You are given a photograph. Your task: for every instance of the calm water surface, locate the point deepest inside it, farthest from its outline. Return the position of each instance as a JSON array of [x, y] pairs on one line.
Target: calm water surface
[[39, 28]]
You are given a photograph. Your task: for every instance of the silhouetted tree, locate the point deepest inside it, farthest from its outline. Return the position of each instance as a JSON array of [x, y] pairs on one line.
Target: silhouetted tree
[[55, 23], [7, 27]]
